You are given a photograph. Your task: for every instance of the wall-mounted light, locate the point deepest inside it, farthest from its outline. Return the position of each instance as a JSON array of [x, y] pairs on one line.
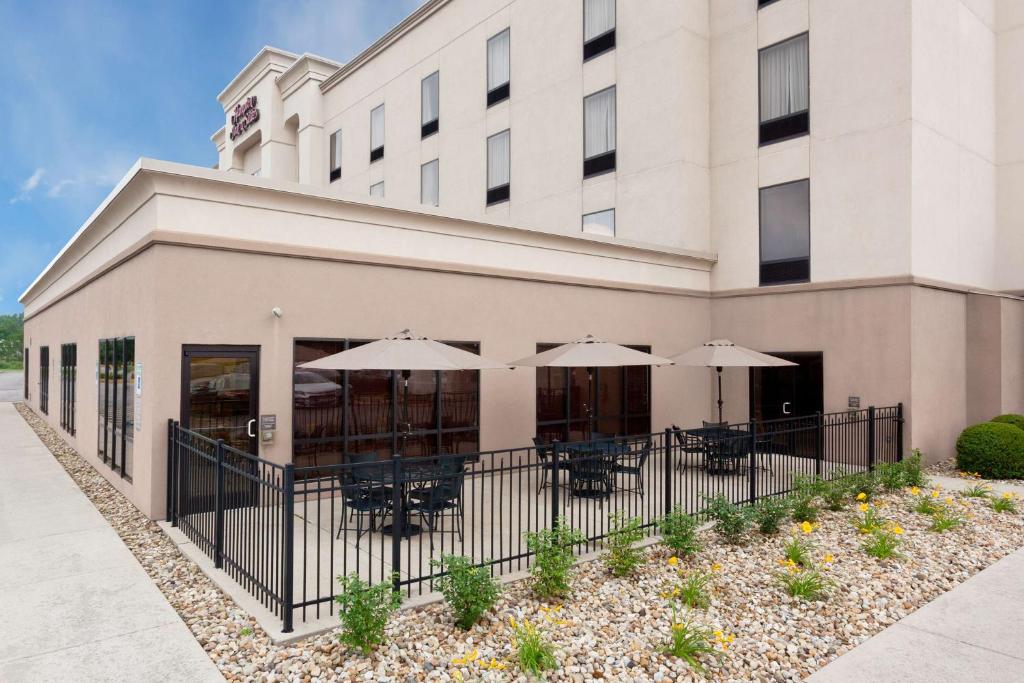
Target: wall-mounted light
[[276, 310]]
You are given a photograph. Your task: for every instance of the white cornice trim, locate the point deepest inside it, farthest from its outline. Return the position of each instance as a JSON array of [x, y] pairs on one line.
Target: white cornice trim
[[267, 59]]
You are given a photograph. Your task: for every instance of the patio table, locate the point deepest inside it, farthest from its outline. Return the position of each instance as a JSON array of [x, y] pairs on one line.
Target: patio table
[[416, 472], [736, 440], [591, 463]]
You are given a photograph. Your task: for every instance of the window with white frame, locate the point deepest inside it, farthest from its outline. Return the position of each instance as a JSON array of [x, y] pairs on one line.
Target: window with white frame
[[377, 133], [600, 223], [599, 132], [335, 155], [598, 27], [498, 167], [784, 98], [430, 183], [498, 68], [430, 104], [377, 190]]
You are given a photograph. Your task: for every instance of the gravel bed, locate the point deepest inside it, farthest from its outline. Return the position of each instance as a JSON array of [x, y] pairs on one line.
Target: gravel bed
[[948, 468], [609, 629]]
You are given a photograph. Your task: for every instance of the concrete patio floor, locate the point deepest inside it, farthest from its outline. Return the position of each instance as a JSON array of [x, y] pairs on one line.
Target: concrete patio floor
[[76, 604]]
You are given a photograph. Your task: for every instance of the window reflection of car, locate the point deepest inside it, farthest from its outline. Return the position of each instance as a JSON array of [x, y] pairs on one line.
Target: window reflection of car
[[312, 390], [231, 385]]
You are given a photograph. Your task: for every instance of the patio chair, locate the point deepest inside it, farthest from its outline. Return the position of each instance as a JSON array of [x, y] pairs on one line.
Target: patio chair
[[442, 496], [688, 444], [590, 471], [363, 491], [631, 463], [545, 450]]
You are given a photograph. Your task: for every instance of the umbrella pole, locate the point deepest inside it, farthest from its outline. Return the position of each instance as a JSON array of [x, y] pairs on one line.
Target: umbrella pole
[[406, 426], [719, 371]]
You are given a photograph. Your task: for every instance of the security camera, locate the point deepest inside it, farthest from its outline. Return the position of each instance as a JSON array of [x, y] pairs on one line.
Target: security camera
[[276, 310]]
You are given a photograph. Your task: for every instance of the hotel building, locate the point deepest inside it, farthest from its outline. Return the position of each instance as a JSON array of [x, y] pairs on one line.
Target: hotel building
[[836, 182]]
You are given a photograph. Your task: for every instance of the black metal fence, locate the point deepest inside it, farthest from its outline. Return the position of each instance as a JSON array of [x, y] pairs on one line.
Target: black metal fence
[[285, 533]]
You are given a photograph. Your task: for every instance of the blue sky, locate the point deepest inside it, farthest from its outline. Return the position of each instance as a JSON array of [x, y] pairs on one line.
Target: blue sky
[[89, 87]]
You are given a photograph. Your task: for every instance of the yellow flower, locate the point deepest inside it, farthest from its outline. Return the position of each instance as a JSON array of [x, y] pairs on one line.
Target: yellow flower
[[457, 675], [863, 507], [678, 627], [914, 491], [673, 561], [807, 527], [717, 634], [496, 665], [512, 622], [829, 559], [1007, 495], [716, 567], [897, 529], [949, 500], [862, 496], [935, 493]]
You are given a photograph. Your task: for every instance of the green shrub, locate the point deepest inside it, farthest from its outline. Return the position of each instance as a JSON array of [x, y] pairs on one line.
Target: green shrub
[[469, 591], [769, 513], [679, 532], [533, 650], [364, 611], [801, 502], [689, 641], [693, 591], [883, 543], [894, 476], [913, 470], [945, 519], [732, 522], [1010, 419], [995, 450], [1005, 503], [863, 482], [553, 558], [925, 505], [835, 492], [623, 557]]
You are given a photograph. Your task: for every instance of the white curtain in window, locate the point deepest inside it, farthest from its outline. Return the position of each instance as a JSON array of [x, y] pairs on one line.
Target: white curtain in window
[[599, 123], [498, 160], [336, 150], [600, 223], [784, 79], [429, 183], [598, 18], [498, 60], [377, 190], [377, 127], [429, 103]]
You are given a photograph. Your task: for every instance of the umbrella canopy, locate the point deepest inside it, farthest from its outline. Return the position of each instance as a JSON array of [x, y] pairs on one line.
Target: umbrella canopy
[[722, 353], [719, 353], [590, 352], [404, 351]]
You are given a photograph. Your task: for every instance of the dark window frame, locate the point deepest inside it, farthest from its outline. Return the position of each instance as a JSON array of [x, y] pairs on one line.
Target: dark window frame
[[115, 432], [774, 268], [603, 42], [789, 126], [27, 356], [44, 380], [395, 380], [765, 3], [335, 171], [68, 386]]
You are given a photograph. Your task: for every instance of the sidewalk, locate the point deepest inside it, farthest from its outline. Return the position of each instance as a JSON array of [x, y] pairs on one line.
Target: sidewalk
[[973, 632], [76, 604]]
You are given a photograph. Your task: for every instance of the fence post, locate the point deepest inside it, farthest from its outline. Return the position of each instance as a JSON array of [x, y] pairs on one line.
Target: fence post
[[753, 462], [288, 554], [397, 521], [170, 472], [819, 443], [871, 438], [899, 431], [669, 435], [218, 506], [555, 483]]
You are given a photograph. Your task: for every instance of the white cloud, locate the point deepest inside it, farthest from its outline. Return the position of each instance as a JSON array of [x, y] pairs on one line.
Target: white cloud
[[58, 187], [28, 186]]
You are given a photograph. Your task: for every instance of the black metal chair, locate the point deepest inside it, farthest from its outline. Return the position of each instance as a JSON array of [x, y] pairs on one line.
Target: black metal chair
[[442, 495], [728, 451], [689, 445], [545, 450], [364, 492], [591, 471], [631, 462]]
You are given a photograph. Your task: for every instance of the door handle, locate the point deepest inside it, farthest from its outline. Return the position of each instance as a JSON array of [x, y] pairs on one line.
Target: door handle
[[248, 428], [785, 408]]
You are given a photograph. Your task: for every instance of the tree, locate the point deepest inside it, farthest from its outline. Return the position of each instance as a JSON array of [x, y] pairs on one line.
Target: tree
[[11, 341]]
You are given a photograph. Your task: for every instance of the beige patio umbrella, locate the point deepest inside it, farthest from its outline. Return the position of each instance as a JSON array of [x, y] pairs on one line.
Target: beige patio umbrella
[[404, 352], [719, 353], [590, 352]]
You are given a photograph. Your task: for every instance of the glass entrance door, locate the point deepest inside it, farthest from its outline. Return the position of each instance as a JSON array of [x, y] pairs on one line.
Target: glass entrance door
[[220, 394]]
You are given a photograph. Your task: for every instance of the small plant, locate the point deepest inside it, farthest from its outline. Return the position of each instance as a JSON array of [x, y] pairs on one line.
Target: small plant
[[891, 476], [884, 543], [977, 491], [835, 492], [470, 591], [679, 532], [798, 550], [804, 583], [535, 654], [623, 557], [732, 522], [693, 590], [769, 513], [925, 505], [246, 631], [689, 641], [1005, 503], [913, 471], [863, 482], [805, 492], [553, 558], [869, 520], [364, 611], [945, 519]]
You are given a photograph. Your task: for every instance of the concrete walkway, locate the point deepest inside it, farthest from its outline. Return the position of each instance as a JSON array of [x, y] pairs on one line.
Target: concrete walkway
[[12, 385], [75, 603], [974, 632]]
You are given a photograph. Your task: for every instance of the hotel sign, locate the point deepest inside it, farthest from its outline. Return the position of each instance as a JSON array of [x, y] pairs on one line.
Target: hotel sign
[[244, 116]]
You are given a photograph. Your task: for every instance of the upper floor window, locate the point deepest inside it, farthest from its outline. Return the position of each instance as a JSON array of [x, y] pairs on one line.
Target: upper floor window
[[784, 83], [377, 133], [430, 183], [498, 68], [785, 233], [598, 27], [429, 104], [377, 190], [335, 155], [599, 132], [600, 223], [498, 168]]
